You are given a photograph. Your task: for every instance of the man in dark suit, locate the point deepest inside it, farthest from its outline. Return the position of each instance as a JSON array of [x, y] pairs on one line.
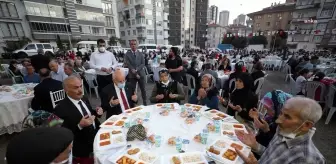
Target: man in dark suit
[[118, 96], [79, 117], [135, 61], [41, 100]]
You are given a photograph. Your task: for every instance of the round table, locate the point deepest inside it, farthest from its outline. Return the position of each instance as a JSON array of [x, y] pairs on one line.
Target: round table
[[14, 106], [166, 127], [223, 78]]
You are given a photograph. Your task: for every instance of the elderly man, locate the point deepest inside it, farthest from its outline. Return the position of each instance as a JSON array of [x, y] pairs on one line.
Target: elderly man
[[57, 71], [68, 69], [31, 76], [135, 61], [118, 97], [79, 117], [292, 143]]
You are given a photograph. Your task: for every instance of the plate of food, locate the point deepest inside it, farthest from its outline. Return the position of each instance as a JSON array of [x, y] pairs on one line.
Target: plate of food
[[125, 159], [214, 114], [138, 154], [228, 129], [111, 139], [196, 108], [186, 158], [134, 110], [109, 123], [168, 106]]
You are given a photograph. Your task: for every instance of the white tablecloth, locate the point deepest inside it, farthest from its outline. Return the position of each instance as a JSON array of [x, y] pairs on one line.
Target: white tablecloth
[[166, 126], [274, 62], [13, 110]]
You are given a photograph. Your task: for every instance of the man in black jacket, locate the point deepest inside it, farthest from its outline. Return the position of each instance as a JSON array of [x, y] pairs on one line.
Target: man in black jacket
[[79, 117], [40, 60], [42, 100], [118, 96]]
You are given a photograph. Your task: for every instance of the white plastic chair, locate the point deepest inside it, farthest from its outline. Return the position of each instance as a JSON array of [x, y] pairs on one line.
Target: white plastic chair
[[260, 82], [292, 85], [91, 79], [14, 77], [191, 79], [147, 74], [56, 97], [330, 103], [288, 72], [232, 82], [311, 87]]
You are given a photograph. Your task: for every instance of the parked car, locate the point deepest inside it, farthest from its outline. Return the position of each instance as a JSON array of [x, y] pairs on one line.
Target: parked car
[[31, 49], [148, 48]]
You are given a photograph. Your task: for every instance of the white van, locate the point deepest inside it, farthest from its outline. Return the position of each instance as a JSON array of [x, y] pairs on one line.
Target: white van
[[31, 49], [148, 47], [85, 46]]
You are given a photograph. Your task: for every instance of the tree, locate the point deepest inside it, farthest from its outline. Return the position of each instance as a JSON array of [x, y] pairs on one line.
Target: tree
[[228, 38], [114, 41], [239, 42], [59, 43], [261, 39], [14, 45]]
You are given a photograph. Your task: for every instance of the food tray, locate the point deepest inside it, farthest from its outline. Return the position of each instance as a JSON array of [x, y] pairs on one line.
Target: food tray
[[114, 122], [108, 139], [128, 158], [216, 115], [225, 150], [170, 106], [196, 108], [131, 111], [185, 158], [228, 129], [142, 155]]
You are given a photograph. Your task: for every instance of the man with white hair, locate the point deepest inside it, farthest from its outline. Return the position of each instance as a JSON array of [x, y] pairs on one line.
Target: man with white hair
[[118, 96], [292, 143], [57, 72]]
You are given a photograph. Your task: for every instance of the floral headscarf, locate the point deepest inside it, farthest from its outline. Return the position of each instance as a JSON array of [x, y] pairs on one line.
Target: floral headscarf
[[280, 97]]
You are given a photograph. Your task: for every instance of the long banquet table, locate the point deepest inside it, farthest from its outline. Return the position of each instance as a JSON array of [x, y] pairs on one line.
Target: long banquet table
[[172, 125], [14, 104]]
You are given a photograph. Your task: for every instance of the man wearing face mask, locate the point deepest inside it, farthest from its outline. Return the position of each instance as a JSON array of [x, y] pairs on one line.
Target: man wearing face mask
[[166, 91], [103, 62], [41, 146], [118, 96], [292, 142]]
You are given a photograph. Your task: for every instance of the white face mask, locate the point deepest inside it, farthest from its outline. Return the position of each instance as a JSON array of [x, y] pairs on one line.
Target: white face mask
[[290, 135], [101, 49], [165, 83], [67, 161]]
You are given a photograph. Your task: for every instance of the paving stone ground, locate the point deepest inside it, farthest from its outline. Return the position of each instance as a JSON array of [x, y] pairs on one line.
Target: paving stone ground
[[324, 137]]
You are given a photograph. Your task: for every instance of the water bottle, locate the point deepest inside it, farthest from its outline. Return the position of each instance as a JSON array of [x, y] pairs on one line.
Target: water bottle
[[217, 126], [178, 144]]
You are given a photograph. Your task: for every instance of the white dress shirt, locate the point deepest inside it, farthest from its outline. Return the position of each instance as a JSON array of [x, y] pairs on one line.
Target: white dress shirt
[[75, 102], [105, 59], [119, 98], [59, 75]]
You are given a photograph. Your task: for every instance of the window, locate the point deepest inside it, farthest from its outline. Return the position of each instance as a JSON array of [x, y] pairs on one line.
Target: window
[[158, 4], [109, 21], [122, 33], [279, 14], [158, 14], [201, 13], [39, 46], [317, 39], [132, 12], [129, 32], [268, 23], [150, 32], [90, 16], [269, 15], [110, 32], [326, 13], [193, 9], [160, 33], [259, 17], [321, 26], [176, 11], [30, 47], [148, 12], [149, 22], [258, 24], [8, 29], [40, 9], [85, 29], [107, 8], [97, 30], [47, 46], [148, 1], [333, 38], [277, 23], [131, 2], [121, 24], [134, 32]]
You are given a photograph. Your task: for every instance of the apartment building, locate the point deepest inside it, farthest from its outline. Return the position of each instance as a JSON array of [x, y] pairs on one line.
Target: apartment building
[[144, 21], [201, 23], [212, 14], [70, 19], [325, 35], [224, 18], [270, 19], [215, 35], [13, 24], [110, 14]]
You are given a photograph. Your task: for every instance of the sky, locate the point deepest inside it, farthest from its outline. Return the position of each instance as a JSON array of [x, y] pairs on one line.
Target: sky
[[237, 7]]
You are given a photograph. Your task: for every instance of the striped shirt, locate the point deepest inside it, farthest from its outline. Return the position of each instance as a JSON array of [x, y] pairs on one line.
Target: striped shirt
[[281, 150]]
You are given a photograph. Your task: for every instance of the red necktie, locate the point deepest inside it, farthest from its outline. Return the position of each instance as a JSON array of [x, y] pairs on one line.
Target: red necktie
[[124, 99]]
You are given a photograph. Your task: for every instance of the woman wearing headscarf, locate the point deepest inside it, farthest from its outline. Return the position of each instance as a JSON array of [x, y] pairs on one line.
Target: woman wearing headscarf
[[243, 99], [41, 146], [272, 103], [207, 93], [166, 91]]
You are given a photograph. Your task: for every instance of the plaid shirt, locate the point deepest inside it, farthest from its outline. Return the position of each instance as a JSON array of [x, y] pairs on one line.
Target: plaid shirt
[[300, 150]]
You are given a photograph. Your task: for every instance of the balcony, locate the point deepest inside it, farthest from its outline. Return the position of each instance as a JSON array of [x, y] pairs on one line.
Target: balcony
[[305, 4], [139, 4], [139, 15], [141, 36]]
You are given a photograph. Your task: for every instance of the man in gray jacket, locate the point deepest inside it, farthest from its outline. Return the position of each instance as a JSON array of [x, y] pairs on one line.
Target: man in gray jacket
[[135, 61]]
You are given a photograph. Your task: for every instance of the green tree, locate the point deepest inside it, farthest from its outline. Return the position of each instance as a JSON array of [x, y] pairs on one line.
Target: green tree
[[277, 42], [59, 43], [228, 38], [239, 42], [261, 39], [113, 41]]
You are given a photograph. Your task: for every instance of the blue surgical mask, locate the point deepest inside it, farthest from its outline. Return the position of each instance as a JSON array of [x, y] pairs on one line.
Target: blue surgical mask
[[121, 85]]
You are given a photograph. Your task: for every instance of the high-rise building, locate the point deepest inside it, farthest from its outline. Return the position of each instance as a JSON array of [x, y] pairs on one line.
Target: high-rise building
[[235, 21], [271, 19], [144, 21], [224, 18], [70, 20], [13, 23], [215, 35], [111, 20], [241, 19], [213, 11], [201, 22]]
